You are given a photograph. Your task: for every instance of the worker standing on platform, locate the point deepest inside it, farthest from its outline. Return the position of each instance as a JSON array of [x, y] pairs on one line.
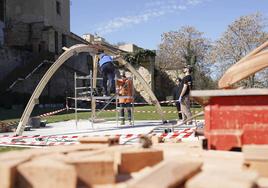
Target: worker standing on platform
[[184, 98], [108, 72], [125, 91]]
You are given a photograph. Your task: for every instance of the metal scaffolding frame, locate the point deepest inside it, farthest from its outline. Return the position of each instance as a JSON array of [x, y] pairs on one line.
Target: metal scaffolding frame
[[92, 97]]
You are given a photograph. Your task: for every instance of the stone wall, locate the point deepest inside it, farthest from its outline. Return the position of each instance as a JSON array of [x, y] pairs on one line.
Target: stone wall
[[2, 26], [11, 59]]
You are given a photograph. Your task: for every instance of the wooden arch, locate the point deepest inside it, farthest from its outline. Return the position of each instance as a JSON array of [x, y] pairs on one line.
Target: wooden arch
[[69, 52]]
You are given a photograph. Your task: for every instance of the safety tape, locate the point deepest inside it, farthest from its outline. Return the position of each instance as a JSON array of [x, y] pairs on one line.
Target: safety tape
[[51, 113], [69, 140], [148, 111], [38, 143], [136, 103], [10, 123]]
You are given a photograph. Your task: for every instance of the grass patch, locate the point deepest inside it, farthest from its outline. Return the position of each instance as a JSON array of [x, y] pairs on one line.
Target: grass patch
[[6, 149], [137, 115], [14, 115]]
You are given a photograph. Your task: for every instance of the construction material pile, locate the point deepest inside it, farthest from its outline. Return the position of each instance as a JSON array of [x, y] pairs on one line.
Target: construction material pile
[[100, 162]]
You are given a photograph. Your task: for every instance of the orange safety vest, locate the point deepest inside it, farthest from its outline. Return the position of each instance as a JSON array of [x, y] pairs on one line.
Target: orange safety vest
[[125, 88]]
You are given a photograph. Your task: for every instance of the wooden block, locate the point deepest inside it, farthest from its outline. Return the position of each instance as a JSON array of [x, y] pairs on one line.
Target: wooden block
[[135, 159], [96, 169], [172, 173], [156, 139], [260, 166], [99, 140], [46, 173], [262, 182], [223, 179], [255, 152], [8, 172], [77, 147]]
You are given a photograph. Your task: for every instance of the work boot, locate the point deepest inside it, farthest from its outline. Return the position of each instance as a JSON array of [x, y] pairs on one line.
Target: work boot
[[130, 123], [122, 122]]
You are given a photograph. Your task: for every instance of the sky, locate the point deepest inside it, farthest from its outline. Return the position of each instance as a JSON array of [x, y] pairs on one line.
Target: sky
[[142, 22]]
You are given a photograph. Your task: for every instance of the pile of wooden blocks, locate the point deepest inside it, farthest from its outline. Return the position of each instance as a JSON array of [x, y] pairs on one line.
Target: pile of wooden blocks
[[101, 162]]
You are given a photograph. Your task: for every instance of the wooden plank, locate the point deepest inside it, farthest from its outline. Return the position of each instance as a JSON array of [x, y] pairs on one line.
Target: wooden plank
[[203, 96], [254, 52], [136, 159], [96, 169], [228, 92], [223, 179], [46, 173], [255, 152], [95, 71], [260, 166], [8, 171], [238, 72], [172, 173], [262, 182]]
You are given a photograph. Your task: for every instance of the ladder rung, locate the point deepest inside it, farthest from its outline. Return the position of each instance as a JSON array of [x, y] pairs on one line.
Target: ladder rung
[[81, 109], [82, 77], [125, 97], [82, 88], [101, 97]]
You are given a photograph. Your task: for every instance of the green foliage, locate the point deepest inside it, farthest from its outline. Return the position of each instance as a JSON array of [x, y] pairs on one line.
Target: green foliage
[[139, 56]]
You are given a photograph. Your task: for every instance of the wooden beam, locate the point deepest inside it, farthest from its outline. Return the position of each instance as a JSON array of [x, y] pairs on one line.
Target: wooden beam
[[172, 173]]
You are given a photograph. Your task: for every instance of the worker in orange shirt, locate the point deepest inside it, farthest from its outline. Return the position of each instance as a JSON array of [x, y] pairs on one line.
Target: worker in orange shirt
[[124, 87]]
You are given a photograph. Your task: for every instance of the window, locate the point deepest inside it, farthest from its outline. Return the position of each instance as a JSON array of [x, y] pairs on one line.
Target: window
[[63, 40], [56, 42], [58, 7]]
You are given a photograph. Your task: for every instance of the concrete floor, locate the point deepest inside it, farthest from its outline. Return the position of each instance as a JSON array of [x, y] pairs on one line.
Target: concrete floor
[[84, 128]]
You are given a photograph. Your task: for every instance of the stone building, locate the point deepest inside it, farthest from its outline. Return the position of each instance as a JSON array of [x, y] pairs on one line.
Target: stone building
[[32, 34], [37, 25]]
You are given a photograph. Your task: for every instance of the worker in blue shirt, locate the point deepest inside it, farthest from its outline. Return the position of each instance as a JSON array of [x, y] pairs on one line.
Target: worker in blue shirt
[[108, 72]]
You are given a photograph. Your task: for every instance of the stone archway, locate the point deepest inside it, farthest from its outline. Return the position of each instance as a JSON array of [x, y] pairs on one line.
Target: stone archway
[[69, 52]]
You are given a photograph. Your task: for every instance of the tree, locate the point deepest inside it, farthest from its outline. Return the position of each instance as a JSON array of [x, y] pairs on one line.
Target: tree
[[242, 36], [187, 46]]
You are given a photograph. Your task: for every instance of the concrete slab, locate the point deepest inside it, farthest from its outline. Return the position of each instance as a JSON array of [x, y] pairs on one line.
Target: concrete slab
[[84, 127]]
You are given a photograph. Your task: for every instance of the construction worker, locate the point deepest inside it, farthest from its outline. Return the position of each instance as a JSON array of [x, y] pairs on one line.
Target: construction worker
[[125, 88], [176, 94], [184, 98], [108, 72]]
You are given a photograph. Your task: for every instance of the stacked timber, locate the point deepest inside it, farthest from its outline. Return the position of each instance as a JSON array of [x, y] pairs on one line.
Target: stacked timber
[[103, 163], [256, 158]]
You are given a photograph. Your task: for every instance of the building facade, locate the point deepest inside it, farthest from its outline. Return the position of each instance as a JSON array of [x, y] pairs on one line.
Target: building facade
[[37, 25], [32, 34]]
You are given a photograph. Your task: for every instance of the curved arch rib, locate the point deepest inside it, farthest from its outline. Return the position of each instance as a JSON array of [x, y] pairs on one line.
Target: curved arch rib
[[74, 50], [250, 64]]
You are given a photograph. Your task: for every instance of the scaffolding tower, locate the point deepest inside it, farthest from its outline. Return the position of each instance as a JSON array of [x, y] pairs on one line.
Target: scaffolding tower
[[89, 94]]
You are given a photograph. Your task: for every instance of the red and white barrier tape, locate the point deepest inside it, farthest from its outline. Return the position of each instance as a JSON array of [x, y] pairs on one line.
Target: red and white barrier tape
[[9, 123], [22, 140], [51, 113], [136, 103]]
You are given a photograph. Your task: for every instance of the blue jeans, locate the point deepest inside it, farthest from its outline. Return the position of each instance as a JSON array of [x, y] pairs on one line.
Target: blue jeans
[[108, 74]]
